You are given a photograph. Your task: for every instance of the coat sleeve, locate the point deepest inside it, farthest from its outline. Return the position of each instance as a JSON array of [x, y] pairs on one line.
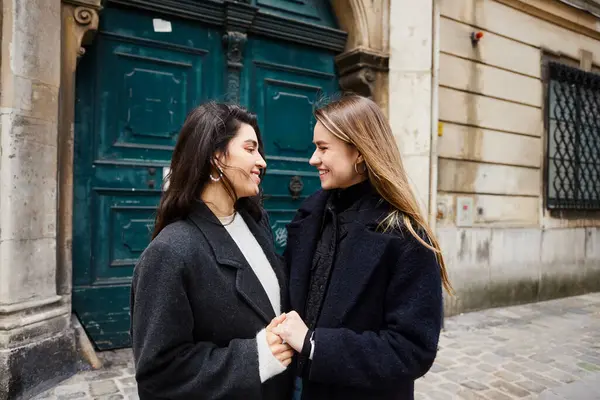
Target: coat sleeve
[[169, 363], [406, 346]]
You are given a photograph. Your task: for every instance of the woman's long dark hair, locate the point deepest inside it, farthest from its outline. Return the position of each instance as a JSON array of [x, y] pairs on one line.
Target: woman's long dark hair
[[208, 129]]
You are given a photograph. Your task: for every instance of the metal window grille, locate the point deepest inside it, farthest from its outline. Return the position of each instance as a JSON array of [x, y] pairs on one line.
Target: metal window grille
[[573, 153]]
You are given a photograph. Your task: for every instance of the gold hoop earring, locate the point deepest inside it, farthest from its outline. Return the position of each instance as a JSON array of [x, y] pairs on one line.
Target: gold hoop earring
[[356, 169]]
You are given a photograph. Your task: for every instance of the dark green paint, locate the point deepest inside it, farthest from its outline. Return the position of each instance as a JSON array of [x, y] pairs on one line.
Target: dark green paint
[[283, 84], [134, 89], [311, 11]]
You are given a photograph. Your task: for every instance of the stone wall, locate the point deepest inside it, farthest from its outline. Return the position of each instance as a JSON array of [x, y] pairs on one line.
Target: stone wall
[[411, 92], [501, 243], [36, 342], [490, 267]]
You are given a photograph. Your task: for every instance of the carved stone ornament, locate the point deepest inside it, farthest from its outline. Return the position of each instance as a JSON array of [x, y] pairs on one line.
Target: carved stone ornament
[[235, 42], [360, 81], [84, 15], [80, 23], [232, 95], [358, 70]]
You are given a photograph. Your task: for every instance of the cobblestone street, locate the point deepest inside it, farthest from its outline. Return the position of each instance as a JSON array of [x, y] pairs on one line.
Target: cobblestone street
[[519, 352], [549, 351]]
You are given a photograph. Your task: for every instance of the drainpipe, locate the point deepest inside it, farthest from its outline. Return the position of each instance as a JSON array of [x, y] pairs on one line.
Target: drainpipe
[[433, 164], [433, 157]]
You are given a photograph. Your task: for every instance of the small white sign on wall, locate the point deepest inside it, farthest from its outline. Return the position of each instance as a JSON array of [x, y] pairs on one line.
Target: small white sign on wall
[[464, 211], [165, 175], [160, 25]]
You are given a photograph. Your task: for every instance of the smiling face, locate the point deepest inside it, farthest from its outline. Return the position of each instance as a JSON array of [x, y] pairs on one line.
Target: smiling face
[[335, 160], [242, 163]]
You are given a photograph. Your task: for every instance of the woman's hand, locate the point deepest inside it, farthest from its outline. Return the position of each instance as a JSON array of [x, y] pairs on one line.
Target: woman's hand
[[293, 330], [282, 351]]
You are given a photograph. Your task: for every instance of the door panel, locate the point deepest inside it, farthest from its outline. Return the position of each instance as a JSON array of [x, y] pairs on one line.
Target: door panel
[[135, 87], [151, 90], [283, 85], [312, 11]]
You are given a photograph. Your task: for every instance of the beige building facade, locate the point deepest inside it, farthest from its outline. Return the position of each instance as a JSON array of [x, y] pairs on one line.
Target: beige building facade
[[507, 174]]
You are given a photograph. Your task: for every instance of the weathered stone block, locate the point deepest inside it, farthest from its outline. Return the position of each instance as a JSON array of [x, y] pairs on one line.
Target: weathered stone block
[[31, 369], [36, 41], [103, 388], [415, 164], [592, 244], [569, 279], [410, 35], [516, 246], [410, 116], [28, 178], [44, 322], [25, 273], [514, 265], [563, 246], [467, 252], [30, 97]]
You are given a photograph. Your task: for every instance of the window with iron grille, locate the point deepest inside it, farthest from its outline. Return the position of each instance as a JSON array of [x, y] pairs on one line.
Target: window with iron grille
[[573, 151]]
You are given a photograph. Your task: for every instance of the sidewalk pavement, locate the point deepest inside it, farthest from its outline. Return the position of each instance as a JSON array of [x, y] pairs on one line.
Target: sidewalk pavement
[[523, 352], [585, 389], [546, 351]]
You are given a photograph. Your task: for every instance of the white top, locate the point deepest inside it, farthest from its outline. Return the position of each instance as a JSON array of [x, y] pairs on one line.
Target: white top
[[235, 225], [254, 254]]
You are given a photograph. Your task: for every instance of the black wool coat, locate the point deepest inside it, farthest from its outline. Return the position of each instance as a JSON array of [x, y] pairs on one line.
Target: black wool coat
[[381, 317], [196, 307]]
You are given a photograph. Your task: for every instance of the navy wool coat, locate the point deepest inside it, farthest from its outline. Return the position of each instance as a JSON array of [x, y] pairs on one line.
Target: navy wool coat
[[196, 307], [381, 317]]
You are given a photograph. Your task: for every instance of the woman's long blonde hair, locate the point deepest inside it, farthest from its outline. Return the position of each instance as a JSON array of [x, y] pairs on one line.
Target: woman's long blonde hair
[[360, 122]]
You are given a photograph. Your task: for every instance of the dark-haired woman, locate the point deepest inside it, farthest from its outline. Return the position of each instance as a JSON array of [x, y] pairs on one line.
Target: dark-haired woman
[[209, 288]]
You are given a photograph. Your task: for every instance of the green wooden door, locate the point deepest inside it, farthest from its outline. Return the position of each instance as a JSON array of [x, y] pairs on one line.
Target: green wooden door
[[134, 88], [135, 85], [283, 84]]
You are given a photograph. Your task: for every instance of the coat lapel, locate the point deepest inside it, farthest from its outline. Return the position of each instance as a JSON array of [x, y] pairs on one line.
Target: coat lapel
[[264, 238], [228, 254], [358, 256]]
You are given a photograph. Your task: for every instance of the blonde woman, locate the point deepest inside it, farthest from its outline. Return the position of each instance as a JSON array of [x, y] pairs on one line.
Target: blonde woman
[[366, 271]]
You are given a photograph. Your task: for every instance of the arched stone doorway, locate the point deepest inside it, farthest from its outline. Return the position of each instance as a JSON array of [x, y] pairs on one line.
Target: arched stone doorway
[[361, 65]]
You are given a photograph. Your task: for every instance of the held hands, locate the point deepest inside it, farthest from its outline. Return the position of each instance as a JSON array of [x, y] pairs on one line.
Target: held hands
[[282, 351], [292, 330]]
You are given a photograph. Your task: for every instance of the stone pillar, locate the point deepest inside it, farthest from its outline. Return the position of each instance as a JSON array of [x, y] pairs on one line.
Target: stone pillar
[[363, 66], [79, 24], [36, 339], [413, 104]]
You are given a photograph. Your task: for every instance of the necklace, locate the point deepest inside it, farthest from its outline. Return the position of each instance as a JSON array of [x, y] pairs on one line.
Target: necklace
[[227, 220]]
